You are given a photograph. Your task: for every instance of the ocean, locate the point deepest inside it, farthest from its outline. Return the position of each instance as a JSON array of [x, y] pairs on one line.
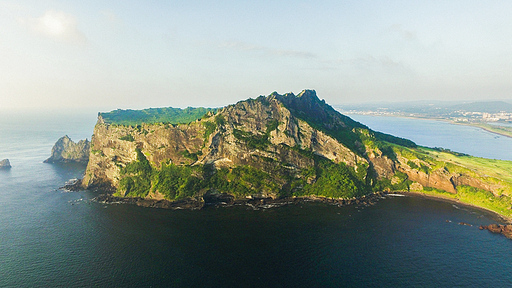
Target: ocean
[[53, 238]]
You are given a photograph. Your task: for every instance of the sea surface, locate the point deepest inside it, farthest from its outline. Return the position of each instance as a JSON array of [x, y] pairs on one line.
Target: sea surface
[[435, 133], [53, 238]]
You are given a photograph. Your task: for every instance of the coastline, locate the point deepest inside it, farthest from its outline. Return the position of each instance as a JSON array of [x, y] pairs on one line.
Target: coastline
[[226, 200], [436, 119], [499, 216], [486, 129]]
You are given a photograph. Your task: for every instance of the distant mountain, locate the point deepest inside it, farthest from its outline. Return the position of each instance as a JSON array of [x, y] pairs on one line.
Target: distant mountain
[[431, 107], [486, 106]]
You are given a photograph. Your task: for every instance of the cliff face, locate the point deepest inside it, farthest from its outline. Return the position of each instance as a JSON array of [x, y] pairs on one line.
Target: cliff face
[[260, 133], [280, 145], [65, 150]]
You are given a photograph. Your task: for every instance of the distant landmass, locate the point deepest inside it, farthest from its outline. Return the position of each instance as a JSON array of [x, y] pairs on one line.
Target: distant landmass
[[432, 107], [274, 149], [486, 107], [493, 116]]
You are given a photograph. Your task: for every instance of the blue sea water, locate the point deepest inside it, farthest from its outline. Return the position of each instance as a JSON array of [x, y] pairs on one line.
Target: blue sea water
[[434, 133], [52, 238]]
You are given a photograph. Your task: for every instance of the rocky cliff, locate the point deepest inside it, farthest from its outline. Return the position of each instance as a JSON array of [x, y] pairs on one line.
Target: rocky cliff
[[274, 146], [65, 150]]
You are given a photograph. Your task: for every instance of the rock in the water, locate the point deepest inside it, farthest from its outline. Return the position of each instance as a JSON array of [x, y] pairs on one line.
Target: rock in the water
[[5, 164], [65, 150], [505, 230]]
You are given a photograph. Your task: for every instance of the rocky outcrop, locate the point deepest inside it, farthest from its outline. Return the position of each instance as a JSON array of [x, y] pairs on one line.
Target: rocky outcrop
[[262, 133], [505, 230], [438, 179], [65, 150], [5, 164]]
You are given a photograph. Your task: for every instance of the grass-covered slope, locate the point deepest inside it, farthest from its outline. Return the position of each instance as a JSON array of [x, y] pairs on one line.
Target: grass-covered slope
[[154, 115], [481, 182]]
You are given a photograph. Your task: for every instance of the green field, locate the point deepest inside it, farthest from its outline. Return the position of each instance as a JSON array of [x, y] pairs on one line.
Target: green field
[[155, 115], [500, 169]]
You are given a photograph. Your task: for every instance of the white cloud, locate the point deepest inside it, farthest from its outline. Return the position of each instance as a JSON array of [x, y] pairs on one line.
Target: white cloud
[[56, 25]]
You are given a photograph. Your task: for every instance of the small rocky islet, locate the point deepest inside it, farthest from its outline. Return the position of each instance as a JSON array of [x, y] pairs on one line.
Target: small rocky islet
[[66, 150], [5, 164]]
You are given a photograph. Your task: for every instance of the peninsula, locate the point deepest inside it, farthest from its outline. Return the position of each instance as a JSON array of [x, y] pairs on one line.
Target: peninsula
[[276, 147]]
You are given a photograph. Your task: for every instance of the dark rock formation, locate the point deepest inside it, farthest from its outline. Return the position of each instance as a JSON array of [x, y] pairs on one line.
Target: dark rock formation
[[505, 230], [226, 200], [73, 185], [65, 150], [5, 164]]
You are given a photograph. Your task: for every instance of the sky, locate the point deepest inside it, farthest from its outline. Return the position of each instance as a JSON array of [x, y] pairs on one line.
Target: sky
[[138, 54]]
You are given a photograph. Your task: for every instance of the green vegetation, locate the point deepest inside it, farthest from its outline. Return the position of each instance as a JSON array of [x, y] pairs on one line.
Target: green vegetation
[[137, 177], [256, 141], [155, 115], [192, 156], [440, 149], [476, 197], [181, 181], [209, 127], [499, 169], [219, 120], [253, 141], [271, 126], [127, 137], [335, 181], [399, 182]]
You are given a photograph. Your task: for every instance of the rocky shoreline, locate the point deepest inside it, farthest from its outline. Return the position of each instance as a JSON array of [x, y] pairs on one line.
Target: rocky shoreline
[[505, 230], [499, 216], [226, 200]]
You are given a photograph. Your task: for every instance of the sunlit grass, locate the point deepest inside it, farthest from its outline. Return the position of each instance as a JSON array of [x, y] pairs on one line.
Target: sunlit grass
[[500, 169]]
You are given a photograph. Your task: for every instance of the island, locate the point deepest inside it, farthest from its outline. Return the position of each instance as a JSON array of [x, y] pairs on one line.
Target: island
[[275, 149], [5, 164], [66, 151]]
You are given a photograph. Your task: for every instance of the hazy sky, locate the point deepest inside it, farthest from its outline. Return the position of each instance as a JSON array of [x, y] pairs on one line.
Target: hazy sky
[[139, 54]]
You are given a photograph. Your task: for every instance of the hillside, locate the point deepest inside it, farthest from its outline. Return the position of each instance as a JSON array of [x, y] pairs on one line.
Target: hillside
[[275, 147]]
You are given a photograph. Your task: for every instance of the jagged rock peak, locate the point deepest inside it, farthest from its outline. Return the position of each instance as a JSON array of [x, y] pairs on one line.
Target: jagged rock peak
[[5, 164], [307, 93], [65, 150]]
